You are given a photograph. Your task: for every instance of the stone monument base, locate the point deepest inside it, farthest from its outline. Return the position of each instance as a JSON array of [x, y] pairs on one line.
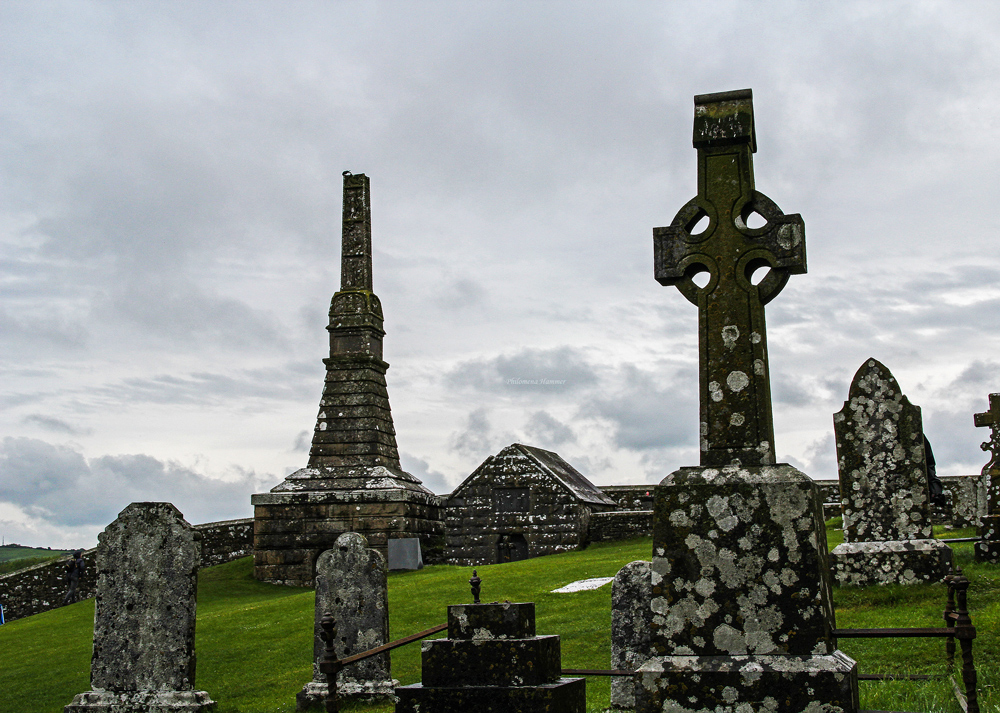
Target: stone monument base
[[567, 695], [313, 694], [727, 684], [140, 702], [291, 529], [891, 562]]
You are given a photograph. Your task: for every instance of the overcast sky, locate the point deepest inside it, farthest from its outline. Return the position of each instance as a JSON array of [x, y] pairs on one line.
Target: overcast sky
[[170, 232]]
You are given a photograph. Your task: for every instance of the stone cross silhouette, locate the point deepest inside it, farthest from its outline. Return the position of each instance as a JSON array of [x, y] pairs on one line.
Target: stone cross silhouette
[[991, 419], [735, 392]]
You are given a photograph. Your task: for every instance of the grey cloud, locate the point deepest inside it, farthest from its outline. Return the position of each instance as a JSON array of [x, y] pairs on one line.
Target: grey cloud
[[433, 480], [291, 382], [527, 373], [649, 411], [476, 438], [54, 424], [56, 484], [544, 430], [303, 442]]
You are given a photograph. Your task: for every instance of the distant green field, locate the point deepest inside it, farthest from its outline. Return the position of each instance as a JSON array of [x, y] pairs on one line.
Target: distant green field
[[254, 639], [8, 553]]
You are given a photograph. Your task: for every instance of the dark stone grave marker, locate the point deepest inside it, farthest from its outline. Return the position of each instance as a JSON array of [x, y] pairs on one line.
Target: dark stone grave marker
[[144, 619], [351, 585], [883, 487], [492, 662], [631, 619]]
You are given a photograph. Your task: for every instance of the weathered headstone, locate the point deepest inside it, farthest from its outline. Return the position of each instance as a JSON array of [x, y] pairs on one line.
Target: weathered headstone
[[631, 618], [351, 585], [353, 481], [741, 595], [883, 487], [988, 549], [493, 662], [147, 576]]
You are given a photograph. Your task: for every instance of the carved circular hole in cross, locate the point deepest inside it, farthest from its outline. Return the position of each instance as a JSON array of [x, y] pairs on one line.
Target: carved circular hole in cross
[[757, 270], [699, 275], [698, 224], [755, 220]]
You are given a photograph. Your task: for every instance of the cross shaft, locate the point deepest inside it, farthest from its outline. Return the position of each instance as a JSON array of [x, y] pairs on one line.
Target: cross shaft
[[735, 393]]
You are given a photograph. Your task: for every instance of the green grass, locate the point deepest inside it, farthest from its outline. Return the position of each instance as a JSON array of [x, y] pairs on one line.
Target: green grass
[[254, 643], [13, 557]]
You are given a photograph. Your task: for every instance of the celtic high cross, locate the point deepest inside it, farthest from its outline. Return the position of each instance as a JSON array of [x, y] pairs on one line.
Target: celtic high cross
[[991, 419], [735, 391]]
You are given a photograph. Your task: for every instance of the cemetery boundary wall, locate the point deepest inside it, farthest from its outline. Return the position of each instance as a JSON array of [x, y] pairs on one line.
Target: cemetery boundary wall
[[621, 525], [965, 501], [42, 587]]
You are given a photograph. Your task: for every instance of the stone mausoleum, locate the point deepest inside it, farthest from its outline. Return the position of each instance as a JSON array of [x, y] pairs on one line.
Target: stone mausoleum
[[522, 502], [353, 481]]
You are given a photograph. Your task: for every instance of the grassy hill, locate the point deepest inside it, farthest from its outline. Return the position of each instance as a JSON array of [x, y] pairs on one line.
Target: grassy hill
[[254, 642]]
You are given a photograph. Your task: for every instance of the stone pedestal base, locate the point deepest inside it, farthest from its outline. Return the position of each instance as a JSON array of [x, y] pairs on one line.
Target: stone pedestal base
[[141, 702], [291, 529], [893, 562], [733, 684], [313, 694], [567, 695]]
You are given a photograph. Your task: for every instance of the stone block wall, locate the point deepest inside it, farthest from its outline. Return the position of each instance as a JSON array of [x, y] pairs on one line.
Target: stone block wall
[[609, 526], [41, 587], [630, 497]]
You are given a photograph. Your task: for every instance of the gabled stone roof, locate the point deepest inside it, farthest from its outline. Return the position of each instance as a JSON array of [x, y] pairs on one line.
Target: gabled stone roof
[[548, 463]]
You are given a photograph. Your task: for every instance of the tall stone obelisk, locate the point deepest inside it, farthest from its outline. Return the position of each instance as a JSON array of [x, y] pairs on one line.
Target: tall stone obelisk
[[353, 482]]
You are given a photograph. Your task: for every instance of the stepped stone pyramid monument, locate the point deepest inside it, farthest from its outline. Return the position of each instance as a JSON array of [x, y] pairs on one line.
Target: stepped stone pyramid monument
[[353, 481], [742, 605]]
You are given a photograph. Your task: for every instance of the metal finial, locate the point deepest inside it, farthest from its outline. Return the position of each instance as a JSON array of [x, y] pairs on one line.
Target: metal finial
[[475, 582], [347, 173]]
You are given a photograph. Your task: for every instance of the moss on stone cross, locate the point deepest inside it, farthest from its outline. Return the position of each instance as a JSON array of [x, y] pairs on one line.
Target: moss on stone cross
[[735, 393]]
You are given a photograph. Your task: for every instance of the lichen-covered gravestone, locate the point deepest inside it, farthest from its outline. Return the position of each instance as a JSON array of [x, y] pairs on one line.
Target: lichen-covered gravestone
[[742, 608], [883, 487], [631, 618], [988, 549], [351, 585], [147, 577]]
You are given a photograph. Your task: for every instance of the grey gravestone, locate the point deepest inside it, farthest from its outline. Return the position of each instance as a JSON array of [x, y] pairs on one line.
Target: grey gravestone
[[883, 487], [351, 584], [492, 662], [741, 596], [147, 576], [988, 550], [631, 618], [404, 553]]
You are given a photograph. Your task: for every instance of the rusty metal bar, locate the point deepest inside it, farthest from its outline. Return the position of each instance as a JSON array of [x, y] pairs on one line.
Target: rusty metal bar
[[895, 677], [392, 645], [595, 672], [892, 633]]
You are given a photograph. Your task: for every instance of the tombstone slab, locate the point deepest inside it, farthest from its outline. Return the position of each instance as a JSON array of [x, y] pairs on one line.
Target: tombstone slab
[[631, 620], [351, 584], [492, 662], [144, 620], [883, 487], [988, 548], [741, 600]]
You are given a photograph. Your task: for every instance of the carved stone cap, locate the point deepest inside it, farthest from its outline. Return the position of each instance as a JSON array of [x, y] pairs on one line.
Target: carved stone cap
[[724, 119]]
